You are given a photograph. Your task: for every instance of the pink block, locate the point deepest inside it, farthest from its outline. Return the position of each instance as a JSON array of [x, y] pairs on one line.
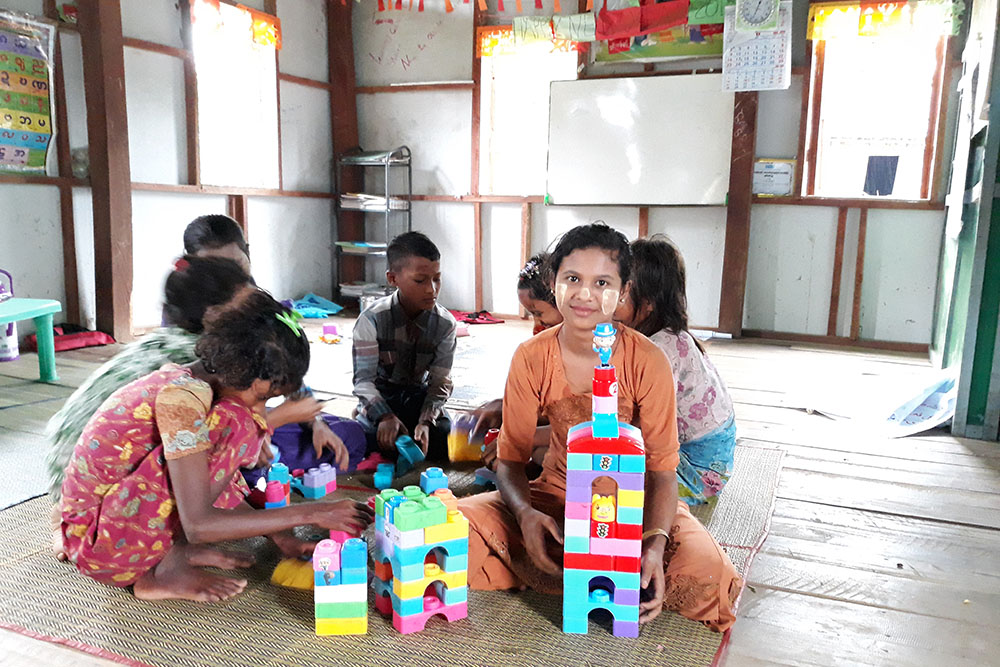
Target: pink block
[[331, 486], [330, 330], [415, 623], [340, 536], [615, 547], [577, 510]]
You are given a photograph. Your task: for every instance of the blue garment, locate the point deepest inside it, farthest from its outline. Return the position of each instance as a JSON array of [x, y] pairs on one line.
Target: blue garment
[[706, 464]]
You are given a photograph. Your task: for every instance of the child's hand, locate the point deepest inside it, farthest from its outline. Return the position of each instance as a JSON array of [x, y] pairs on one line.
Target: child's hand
[[266, 456], [325, 438], [422, 436], [346, 515], [295, 412], [389, 429], [652, 580], [291, 546], [534, 526], [488, 415]]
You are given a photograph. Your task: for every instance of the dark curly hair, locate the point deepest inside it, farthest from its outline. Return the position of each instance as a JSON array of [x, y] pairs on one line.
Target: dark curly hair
[[594, 235], [196, 284], [410, 244], [213, 231], [658, 279], [250, 339], [536, 277]]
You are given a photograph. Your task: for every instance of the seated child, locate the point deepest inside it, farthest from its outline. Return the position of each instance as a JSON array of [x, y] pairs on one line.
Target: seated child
[[404, 345], [217, 236], [155, 476], [656, 305], [515, 533]]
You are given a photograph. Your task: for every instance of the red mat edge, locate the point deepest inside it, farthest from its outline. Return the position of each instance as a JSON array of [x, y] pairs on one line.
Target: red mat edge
[[74, 644]]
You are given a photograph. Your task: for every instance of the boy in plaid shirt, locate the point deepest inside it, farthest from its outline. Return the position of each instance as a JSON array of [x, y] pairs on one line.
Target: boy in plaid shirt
[[404, 345]]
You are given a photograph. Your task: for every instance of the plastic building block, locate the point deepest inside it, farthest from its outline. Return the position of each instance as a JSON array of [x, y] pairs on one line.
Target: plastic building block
[[341, 609], [316, 483], [274, 495], [407, 624], [340, 595], [382, 497], [580, 461], [615, 547], [604, 462], [383, 476], [605, 426], [632, 463], [576, 545], [456, 527], [630, 515], [459, 446], [432, 573], [630, 498], [354, 553], [485, 477], [341, 626], [427, 512], [410, 454], [448, 498], [577, 528], [573, 561], [279, 472], [578, 510], [331, 329], [433, 479]]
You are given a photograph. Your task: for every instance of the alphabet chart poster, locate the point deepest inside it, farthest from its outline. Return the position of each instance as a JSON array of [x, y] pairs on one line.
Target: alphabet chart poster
[[25, 105], [760, 60]]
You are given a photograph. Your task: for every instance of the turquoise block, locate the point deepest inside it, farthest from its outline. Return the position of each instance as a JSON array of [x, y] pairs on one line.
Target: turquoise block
[[606, 462], [354, 575], [631, 463], [409, 572], [326, 578], [381, 587], [605, 426], [455, 563], [456, 595], [577, 545], [575, 625], [417, 554], [579, 580], [630, 515], [407, 607], [354, 553], [578, 461], [379, 523]]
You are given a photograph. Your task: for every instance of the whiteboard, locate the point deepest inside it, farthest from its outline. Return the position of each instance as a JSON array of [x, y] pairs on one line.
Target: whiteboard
[[663, 140]]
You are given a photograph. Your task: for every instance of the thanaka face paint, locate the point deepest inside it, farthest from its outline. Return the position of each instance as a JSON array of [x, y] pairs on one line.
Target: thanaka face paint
[[609, 301], [561, 294]]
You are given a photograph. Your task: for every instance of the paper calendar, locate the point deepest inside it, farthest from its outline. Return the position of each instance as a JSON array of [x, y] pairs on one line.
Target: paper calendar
[[757, 60]]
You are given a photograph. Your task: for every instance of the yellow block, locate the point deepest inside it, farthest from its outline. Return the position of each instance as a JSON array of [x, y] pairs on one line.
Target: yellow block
[[456, 528], [628, 498], [416, 588], [342, 626]]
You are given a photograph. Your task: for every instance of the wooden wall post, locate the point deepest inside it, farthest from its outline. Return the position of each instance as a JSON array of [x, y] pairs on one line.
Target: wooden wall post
[[110, 176], [734, 263]]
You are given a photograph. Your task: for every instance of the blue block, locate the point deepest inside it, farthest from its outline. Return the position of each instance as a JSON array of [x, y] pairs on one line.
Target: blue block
[[279, 472], [575, 625], [578, 462], [354, 554], [631, 463], [576, 545], [354, 575], [383, 479], [455, 595], [379, 524], [417, 554], [578, 581], [391, 505], [407, 607], [409, 454], [454, 563], [407, 573], [271, 506], [433, 479], [630, 515], [326, 578], [605, 426], [606, 462]]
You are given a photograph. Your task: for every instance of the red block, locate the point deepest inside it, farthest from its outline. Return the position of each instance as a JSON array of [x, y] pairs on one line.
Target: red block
[[628, 531], [626, 564], [603, 530], [588, 562]]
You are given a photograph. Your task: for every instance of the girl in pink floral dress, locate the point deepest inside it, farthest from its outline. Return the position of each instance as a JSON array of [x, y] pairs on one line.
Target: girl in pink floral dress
[[155, 476], [656, 306]]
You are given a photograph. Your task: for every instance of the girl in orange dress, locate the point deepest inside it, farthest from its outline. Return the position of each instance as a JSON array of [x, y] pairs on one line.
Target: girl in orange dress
[[516, 535], [155, 475]]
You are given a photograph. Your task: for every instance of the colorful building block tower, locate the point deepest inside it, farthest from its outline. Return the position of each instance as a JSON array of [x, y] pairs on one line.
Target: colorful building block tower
[[603, 534], [278, 491], [341, 587], [316, 483], [421, 554]]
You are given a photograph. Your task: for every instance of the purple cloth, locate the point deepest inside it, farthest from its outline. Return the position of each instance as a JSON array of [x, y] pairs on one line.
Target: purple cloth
[[295, 447]]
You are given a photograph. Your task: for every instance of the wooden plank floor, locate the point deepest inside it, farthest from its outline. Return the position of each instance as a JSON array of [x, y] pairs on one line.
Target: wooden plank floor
[[881, 552]]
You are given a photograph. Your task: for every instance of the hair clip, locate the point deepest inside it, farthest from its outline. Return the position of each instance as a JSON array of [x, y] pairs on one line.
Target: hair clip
[[181, 264], [291, 319]]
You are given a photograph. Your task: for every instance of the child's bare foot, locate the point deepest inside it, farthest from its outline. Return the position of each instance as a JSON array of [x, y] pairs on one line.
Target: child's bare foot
[[199, 555], [174, 579], [58, 549]]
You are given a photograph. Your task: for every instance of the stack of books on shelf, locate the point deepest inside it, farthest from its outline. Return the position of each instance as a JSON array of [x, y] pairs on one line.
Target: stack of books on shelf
[[361, 247], [359, 289], [361, 202]]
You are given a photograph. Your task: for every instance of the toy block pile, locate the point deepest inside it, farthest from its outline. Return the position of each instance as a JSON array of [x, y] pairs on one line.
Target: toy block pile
[[316, 483], [421, 554], [603, 534], [278, 491], [341, 587]]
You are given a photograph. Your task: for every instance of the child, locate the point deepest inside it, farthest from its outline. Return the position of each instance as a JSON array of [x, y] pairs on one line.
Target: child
[[682, 568], [403, 348], [155, 475], [656, 305], [217, 236], [534, 291], [196, 284]]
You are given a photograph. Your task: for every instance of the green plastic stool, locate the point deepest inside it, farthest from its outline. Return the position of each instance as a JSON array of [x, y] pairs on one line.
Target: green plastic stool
[[41, 311]]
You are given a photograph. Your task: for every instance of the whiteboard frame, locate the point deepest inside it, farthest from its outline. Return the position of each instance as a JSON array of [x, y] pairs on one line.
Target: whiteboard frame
[[700, 117]]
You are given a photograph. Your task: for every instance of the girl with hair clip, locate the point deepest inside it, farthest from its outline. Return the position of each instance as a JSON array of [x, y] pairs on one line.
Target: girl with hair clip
[[515, 534], [656, 306], [154, 479]]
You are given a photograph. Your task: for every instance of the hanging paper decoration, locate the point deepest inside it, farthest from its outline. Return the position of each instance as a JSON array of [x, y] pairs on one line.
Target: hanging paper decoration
[[528, 29], [840, 20], [556, 6], [266, 28], [519, 8], [25, 104], [635, 21], [482, 5], [448, 8], [575, 28]]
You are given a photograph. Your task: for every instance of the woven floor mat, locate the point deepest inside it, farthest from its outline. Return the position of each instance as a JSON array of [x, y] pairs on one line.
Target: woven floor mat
[[268, 625]]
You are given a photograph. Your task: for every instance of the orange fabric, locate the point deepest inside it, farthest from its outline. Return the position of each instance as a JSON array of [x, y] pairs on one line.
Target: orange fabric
[[536, 386], [701, 582]]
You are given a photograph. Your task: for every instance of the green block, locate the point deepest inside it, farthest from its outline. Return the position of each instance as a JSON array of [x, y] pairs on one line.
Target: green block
[[413, 492], [342, 609], [413, 515], [381, 498]]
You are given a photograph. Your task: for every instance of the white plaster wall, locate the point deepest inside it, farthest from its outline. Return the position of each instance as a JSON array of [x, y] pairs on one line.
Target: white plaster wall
[[75, 102], [305, 54], [83, 234], [157, 126], [35, 7], [436, 125], [31, 244], [158, 222], [548, 223], [901, 260], [306, 143], [790, 267], [700, 234], [501, 257], [290, 245], [451, 228], [153, 20], [412, 46], [778, 114]]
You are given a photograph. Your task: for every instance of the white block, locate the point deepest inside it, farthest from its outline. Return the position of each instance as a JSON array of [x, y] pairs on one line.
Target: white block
[[577, 528], [341, 593], [385, 544], [605, 405], [405, 539]]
